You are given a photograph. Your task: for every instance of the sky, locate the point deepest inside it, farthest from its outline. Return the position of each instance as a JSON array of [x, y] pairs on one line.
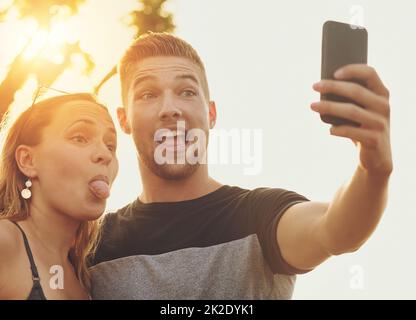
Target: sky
[[262, 58]]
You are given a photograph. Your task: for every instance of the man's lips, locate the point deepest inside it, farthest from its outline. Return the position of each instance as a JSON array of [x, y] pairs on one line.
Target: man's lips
[[176, 143], [166, 133], [172, 138]]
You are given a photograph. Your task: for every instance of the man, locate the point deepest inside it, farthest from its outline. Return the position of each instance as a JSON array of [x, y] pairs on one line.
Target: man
[[188, 236]]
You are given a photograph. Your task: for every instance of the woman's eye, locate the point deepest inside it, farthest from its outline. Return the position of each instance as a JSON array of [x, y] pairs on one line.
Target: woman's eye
[[111, 147], [79, 139], [188, 93]]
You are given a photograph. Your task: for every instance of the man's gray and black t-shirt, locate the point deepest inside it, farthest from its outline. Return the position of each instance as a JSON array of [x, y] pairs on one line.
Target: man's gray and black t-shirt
[[219, 246]]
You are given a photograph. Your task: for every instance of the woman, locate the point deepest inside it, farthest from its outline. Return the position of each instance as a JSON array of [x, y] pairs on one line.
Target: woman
[[57, 166]]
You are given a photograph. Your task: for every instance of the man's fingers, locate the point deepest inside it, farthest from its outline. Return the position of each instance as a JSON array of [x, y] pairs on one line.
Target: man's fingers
[[351, 112], [367, 137], [357, 93], [367, 74]]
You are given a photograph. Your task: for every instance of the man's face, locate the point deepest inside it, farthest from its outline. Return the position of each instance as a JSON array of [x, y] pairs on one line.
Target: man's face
[[167, 93]]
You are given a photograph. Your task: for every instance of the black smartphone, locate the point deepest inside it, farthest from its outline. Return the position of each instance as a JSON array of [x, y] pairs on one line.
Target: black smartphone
[[342, 44]]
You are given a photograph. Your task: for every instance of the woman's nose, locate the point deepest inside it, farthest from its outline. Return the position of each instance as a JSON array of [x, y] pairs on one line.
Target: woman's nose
[[102, 154]]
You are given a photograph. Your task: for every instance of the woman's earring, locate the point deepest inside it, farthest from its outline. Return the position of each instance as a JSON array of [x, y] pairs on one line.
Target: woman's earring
[[26, 193]]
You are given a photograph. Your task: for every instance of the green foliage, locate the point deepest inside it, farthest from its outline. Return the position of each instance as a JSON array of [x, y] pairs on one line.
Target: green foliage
[[43, 11], [152, 17], [45, 71]]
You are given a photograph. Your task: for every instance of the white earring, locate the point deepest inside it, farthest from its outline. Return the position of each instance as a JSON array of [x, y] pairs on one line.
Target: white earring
[[26, 193]]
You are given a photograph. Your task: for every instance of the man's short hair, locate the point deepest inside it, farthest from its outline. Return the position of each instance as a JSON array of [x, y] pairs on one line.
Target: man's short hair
[[153, 45]]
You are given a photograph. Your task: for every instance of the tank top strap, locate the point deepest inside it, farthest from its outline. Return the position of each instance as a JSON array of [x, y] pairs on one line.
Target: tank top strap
[[35, 274]]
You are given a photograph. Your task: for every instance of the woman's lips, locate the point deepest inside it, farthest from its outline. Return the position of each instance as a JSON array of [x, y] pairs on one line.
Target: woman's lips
[[100, 189]]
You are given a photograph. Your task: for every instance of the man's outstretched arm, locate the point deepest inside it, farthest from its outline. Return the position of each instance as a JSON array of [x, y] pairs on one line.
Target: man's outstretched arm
[[309, 233]]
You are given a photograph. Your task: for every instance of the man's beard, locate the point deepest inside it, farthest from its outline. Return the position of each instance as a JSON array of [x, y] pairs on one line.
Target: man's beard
[[169, 171], [174, 171]]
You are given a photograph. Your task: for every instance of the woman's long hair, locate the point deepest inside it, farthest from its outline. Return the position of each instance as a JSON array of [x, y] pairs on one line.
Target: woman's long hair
[[27, 130]]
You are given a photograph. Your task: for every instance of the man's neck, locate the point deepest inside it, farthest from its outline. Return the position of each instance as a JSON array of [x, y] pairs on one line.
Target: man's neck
[[157, 189]]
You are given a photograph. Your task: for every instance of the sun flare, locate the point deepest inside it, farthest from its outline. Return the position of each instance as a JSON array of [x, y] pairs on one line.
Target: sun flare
[[48, 44]]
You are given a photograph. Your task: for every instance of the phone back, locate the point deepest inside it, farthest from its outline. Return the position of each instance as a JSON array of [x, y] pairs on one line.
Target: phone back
[[342, 44]]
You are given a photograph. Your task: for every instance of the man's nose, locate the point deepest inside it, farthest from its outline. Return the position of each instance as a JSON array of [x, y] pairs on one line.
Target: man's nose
[[169, 109]]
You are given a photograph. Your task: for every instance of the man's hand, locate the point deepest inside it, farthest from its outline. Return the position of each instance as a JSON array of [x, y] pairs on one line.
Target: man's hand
[[373, 136], [308, 233]]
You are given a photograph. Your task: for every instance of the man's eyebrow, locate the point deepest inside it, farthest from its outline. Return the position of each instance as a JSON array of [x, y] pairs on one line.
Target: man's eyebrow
[[143, 78], [185, 76], [188, 76], [91, 123]]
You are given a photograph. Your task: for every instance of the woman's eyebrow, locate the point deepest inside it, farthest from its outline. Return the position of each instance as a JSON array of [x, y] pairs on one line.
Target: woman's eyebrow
[[90, 123]]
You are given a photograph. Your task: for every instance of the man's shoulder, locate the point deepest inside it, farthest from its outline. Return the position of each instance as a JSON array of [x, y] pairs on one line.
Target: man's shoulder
[[249, 193], [111, 237], [123, 212], [260, 194], [114, 221]]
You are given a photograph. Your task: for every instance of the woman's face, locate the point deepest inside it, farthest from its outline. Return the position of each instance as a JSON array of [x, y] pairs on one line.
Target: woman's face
[[76, 162]]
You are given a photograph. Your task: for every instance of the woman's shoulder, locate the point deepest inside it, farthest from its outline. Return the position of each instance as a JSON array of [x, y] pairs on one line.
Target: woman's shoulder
[[11, 244], [10, 238]]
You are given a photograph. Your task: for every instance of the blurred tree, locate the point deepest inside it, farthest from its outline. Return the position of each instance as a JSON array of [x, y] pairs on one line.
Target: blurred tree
[[150, 17], [46, 71]]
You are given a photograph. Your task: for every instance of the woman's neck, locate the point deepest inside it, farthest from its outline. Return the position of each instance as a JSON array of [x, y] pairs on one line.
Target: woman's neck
[[53, 231]]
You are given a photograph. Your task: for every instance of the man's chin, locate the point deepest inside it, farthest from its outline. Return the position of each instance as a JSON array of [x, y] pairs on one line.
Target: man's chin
[[169, 171], [174, 171]]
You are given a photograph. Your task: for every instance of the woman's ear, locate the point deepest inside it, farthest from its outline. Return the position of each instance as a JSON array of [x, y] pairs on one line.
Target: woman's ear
[[212, 114], [122, 120], [24, 156]]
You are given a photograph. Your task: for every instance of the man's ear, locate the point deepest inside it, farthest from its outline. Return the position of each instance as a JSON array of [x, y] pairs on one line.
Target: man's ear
[[25, 160], [212, 114], [122, 120]]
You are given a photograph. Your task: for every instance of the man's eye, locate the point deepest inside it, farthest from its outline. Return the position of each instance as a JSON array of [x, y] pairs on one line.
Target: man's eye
[[188, 93], [147, 96]]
